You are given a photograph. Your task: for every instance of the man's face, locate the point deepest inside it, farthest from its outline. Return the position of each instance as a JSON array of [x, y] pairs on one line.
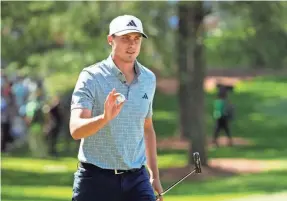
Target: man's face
[[126, 47]]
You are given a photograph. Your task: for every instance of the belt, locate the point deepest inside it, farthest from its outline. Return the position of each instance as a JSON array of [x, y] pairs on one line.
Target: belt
[[113, 171]]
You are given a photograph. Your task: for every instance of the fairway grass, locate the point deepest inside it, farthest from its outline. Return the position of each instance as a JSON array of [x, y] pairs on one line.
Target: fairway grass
[[56, 193], [41, 180]]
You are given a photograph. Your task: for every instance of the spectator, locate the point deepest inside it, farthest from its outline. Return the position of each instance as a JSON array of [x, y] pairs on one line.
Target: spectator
[[222, 113], [20, 92], [35, 118], [6, 136], [55, 123]]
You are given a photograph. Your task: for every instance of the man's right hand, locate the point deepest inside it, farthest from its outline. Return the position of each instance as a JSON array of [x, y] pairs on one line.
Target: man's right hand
[[111, 108]]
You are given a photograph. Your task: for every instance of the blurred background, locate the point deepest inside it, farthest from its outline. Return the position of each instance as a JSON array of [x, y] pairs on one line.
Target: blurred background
[[203, 53]]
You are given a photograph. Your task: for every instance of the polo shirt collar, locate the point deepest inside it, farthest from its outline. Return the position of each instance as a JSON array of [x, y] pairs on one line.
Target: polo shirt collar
[[118, 73]]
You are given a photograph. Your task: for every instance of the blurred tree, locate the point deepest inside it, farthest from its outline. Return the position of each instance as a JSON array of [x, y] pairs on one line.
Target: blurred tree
[[35, 33], [43, 31], [191, 71], [254, 32]]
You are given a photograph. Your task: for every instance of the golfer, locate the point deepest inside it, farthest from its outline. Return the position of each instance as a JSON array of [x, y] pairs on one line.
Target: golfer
[[117, 154]]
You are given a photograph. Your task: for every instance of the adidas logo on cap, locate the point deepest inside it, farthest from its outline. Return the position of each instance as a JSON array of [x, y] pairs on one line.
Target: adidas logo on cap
[[125, 24]]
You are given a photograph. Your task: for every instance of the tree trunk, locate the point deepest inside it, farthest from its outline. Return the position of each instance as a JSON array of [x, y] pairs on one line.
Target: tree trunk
[[182, 71], [191, 77]]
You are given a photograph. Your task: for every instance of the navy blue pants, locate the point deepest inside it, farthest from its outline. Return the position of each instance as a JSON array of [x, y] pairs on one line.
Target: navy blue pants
[[95, 184]]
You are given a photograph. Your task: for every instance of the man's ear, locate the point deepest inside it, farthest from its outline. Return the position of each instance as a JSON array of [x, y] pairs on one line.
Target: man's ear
[[110, 40]]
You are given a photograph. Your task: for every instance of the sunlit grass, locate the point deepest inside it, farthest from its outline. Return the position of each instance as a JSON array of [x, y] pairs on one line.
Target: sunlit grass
[[31, 182], [36, 192], [39, 165], [172, 160]]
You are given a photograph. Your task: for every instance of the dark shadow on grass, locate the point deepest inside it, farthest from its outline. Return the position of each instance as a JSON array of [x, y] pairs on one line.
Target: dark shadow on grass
[[24, 152], [25, 178], [277, 78], [168, 151], [250, 152], [268, 182]]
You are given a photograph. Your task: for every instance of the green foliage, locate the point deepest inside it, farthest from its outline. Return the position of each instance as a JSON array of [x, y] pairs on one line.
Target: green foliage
[[252, 34], [66, 36], [47, 37]]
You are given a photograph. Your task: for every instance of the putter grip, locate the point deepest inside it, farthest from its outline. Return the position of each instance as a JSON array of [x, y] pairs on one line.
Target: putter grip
[[157, 198], [196, 159]]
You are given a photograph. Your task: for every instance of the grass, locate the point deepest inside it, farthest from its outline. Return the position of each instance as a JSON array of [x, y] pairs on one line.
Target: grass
[[260, 114], [38, 179]]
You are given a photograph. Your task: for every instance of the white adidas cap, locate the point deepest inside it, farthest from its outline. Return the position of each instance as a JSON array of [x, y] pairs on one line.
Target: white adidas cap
[[126, 24]]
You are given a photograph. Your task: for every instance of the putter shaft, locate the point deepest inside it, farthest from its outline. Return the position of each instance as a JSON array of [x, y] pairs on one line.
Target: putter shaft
[[168, 189], [197, 170]]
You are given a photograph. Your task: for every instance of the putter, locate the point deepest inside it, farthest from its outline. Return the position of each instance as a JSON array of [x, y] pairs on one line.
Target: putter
[[197, 170]]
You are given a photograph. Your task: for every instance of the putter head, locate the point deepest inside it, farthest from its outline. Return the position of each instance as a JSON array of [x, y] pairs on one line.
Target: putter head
[[197, 162]]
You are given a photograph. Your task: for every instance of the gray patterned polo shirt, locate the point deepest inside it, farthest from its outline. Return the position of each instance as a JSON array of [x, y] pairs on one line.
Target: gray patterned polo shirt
[[120, 144]]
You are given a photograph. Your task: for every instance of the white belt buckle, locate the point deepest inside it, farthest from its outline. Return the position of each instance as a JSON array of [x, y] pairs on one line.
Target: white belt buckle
[[116, 172]]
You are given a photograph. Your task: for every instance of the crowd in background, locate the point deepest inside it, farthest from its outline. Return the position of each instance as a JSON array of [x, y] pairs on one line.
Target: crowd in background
[[28, 116]]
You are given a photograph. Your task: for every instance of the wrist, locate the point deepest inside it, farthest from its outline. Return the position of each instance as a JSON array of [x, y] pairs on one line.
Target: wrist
[[153, 175], [155, 178], [104, 118]]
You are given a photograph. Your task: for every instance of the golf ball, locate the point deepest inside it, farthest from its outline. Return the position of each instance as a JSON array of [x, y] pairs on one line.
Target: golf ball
[[121, 98]]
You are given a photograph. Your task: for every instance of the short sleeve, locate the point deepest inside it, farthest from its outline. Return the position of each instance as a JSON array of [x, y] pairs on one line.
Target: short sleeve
[[150, 109], [84, 92]]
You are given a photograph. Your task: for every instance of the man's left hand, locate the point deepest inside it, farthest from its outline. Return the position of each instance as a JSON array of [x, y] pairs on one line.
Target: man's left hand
[[157, 187]]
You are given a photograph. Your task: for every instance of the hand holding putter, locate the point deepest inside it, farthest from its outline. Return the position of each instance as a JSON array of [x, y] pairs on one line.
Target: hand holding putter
[[197, 169]]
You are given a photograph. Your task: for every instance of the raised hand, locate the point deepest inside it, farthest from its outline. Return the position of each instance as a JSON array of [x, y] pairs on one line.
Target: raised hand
[[111, 108]]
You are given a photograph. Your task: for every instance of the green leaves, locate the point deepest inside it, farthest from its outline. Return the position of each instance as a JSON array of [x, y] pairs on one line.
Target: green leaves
[[263, 33], [47, 36]]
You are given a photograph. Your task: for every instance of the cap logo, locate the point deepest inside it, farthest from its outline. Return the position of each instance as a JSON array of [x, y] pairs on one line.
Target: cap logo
[[132, 23]]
